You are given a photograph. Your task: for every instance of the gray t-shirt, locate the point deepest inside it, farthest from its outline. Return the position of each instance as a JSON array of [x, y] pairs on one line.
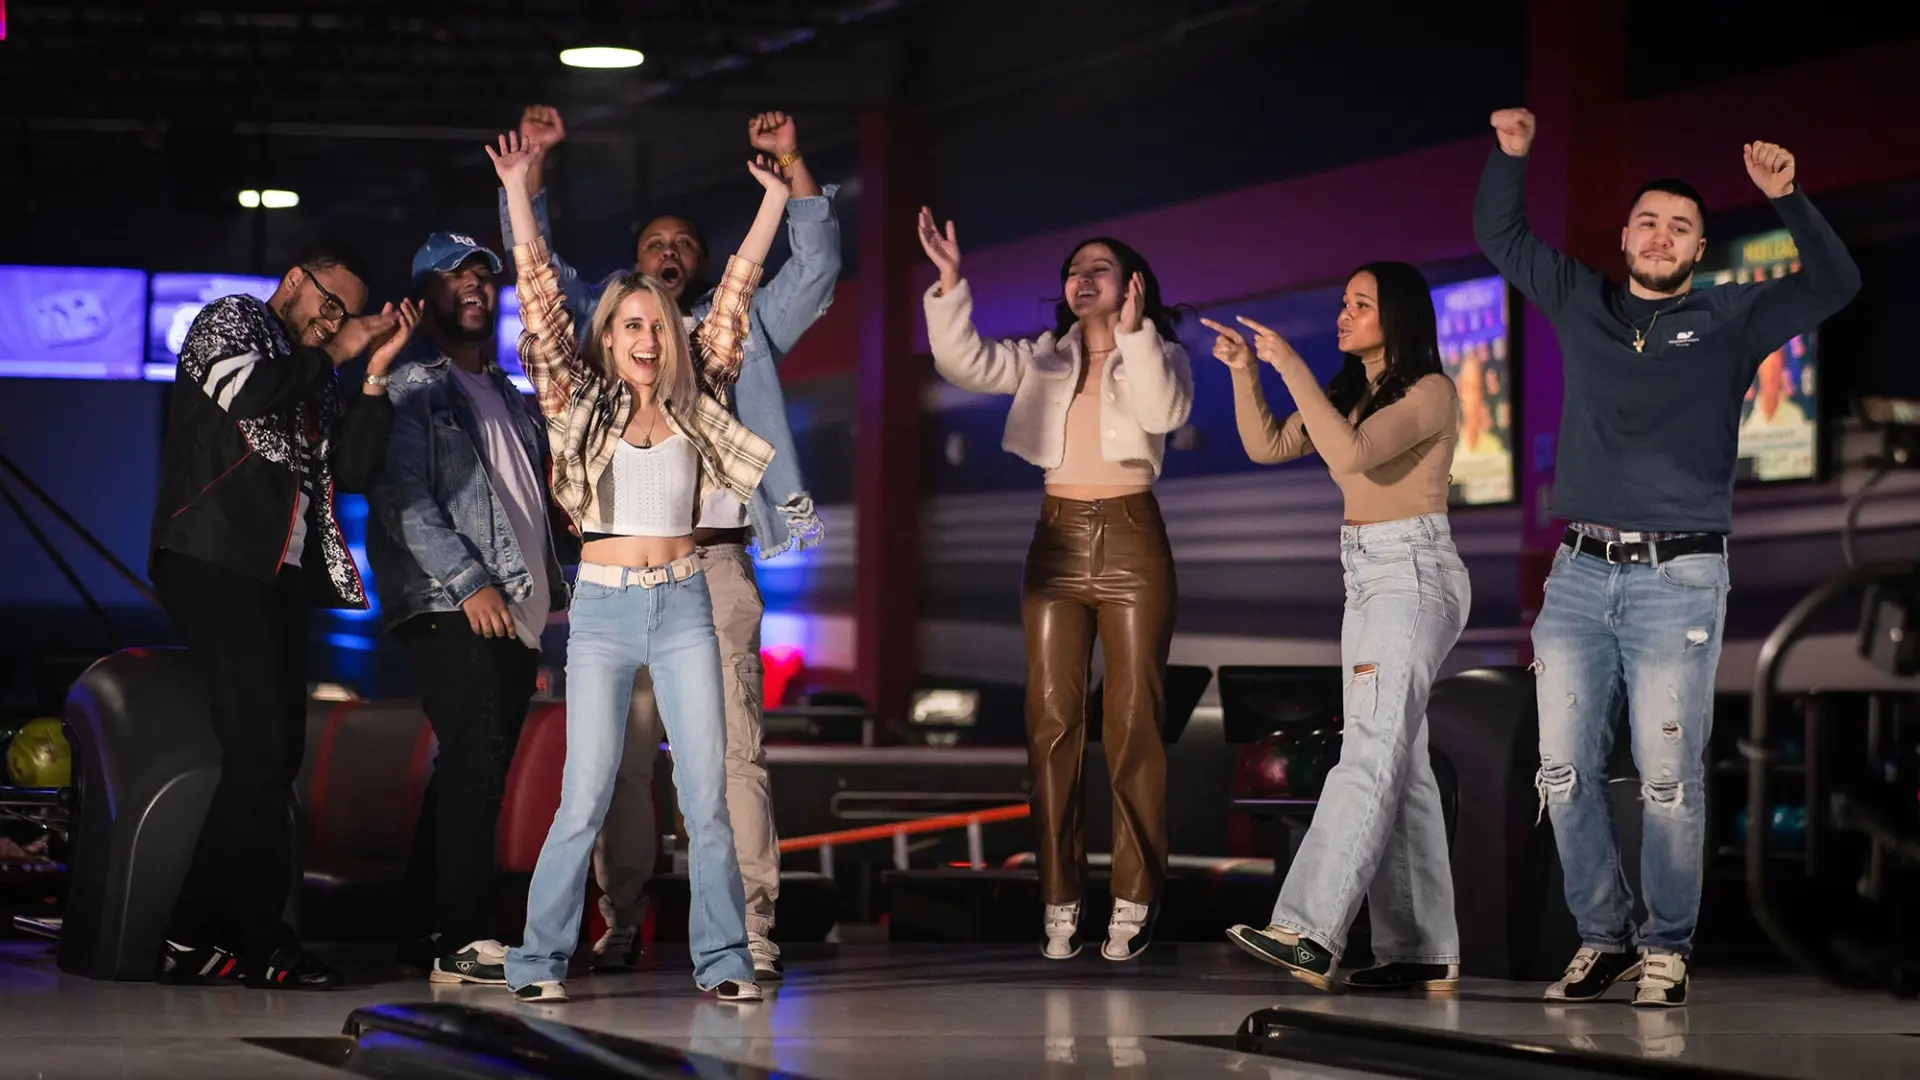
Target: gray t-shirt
[[521, 493]]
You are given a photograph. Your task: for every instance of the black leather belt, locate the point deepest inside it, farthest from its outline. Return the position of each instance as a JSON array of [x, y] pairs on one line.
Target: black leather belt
[[714, 537], [1647, 552]]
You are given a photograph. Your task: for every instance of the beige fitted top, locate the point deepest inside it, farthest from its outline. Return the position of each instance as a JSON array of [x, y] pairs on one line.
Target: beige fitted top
[[1084, 472], [1394, 464]]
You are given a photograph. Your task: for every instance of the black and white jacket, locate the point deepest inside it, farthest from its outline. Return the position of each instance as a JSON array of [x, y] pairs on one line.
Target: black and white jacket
[[252, 415]]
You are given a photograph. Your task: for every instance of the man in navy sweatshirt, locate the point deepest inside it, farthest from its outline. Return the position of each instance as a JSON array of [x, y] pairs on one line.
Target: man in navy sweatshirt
[[1637, 598]]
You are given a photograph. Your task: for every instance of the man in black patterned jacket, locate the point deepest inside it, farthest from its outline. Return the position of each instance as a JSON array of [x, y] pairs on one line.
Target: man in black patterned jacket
[[245, 540]]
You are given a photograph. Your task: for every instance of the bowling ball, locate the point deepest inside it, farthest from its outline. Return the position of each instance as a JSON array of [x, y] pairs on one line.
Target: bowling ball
[[1790, 824], [38, 755], [1787, 824], [1291, 764]]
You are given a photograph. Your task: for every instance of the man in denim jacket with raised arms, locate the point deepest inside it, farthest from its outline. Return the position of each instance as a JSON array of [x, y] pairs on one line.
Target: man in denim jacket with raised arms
[[781, 516], [463, 556]]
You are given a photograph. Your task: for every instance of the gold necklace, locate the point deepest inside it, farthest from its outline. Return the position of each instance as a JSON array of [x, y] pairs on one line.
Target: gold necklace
[[1640, 336]]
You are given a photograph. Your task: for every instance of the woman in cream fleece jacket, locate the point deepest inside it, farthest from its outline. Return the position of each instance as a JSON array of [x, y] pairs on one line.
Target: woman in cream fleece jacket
[[1093, 401]]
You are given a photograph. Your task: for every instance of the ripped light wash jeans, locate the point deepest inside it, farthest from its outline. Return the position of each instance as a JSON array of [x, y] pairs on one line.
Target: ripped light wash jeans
[[1379, 832], [1648, 637]]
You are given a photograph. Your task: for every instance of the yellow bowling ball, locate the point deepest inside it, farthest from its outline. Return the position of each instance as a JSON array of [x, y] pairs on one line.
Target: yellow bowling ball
[[39, 757]]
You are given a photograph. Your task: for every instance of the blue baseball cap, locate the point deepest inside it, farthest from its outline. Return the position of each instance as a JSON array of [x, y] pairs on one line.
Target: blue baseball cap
[[445, 250]]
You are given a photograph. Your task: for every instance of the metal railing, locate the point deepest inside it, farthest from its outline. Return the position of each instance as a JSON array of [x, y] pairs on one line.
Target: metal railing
[[899, 831]]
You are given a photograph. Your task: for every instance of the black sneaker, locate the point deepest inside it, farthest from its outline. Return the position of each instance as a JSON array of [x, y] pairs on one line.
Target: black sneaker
[[292, 967], [1304, 958], [618, 950], [1397, 976], [545, 992], [1663, 982], [184, 965], [483, 963], [1592, 973]]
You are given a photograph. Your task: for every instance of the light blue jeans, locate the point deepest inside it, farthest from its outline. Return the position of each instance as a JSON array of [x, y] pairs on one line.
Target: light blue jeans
[[667, 629], [1379, 832], [1646, 637]]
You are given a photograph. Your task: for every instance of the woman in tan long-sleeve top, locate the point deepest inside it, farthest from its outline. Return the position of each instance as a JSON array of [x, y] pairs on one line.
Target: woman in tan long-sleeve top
[[1385, 426]]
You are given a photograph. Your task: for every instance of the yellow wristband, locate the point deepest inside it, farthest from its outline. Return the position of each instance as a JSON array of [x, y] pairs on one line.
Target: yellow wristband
[[787, 160]]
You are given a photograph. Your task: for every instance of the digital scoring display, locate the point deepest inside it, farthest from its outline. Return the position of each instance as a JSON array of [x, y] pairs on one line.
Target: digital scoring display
[[177, 299], [71, 322]]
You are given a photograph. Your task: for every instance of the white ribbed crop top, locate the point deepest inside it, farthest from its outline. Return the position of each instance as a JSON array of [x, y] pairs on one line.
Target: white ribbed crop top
[[653, 489]]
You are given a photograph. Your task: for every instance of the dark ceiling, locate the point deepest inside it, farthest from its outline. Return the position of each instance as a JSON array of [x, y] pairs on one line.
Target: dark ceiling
[[342, 63], [359, 102], [374, 111]]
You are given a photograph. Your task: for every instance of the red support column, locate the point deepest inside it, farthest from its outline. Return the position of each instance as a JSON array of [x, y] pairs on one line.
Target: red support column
[[887, 480], [1576, 76]]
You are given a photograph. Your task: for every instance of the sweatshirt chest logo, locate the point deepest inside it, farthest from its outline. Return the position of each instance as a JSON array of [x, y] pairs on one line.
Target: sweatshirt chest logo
[[1682, 330]]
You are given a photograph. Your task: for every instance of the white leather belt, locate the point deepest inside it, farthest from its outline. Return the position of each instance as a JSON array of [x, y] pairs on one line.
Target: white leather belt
[[619, 577]]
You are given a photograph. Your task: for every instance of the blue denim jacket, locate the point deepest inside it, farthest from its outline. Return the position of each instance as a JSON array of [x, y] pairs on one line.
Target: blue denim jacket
[[440, 534], [782, 514]]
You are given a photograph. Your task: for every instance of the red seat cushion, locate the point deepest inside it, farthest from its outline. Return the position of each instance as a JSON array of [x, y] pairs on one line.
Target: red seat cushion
[[366, 767], [533, 788]]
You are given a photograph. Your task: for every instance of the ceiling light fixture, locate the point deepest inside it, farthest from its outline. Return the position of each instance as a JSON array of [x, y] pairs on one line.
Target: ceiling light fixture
[[271, 199], [602, 57]]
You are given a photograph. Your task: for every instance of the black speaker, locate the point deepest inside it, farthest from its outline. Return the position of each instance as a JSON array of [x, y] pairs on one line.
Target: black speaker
[[1508, 892]]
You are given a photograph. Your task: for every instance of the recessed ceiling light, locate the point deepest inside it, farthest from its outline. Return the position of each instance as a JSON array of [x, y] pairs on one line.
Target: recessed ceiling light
[[271, 199], [601, 56]]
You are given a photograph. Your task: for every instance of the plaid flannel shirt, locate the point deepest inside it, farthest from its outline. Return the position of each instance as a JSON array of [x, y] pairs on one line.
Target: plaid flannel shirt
[[585, 413]]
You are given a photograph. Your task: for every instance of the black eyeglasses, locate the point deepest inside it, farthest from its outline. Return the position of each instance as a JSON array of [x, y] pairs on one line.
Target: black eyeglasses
[[332, 308]]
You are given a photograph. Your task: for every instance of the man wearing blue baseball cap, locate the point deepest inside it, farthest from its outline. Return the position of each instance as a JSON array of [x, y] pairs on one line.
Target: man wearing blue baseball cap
[[467, 598]]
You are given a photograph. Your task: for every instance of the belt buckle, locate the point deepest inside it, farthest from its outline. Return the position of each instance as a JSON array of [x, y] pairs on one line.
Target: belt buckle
[[1611, 544], [654, 575]]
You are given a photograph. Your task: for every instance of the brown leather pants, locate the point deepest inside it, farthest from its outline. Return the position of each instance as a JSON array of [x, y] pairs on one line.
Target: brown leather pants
[[1099, 566]]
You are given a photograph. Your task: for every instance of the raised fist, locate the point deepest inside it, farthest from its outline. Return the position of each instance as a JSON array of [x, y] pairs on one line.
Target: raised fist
[[1515, 129], [774, 134], [1771, 167], [541, 127]]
